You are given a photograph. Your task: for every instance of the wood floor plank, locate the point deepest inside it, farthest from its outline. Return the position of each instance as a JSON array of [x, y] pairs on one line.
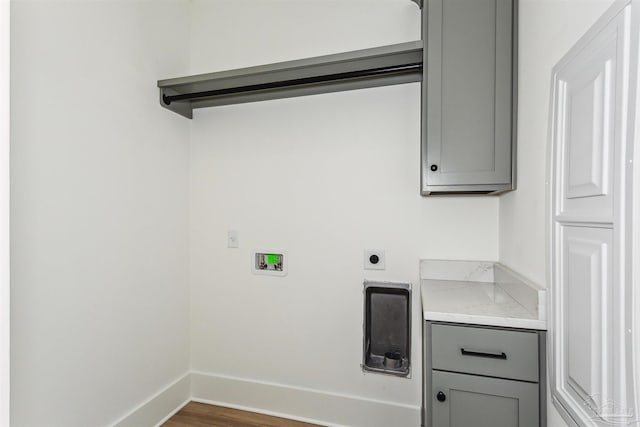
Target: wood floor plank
[[195, 414]]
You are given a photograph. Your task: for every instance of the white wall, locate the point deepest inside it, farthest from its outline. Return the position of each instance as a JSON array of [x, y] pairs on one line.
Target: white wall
[[548, 28], [99, 209], [322, 177], [4, 213]]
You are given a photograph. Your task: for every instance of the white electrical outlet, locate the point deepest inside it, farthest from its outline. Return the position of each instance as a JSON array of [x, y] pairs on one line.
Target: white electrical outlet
[[232, 239], [374, 259]]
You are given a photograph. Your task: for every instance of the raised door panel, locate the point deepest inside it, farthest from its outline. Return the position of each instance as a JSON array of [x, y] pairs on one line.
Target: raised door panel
[[587, 108], [588, 147], [469, 93], [587, 327], [483, 402]]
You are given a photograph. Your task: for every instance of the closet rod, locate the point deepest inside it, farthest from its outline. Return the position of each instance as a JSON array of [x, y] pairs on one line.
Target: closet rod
[[392, 70]]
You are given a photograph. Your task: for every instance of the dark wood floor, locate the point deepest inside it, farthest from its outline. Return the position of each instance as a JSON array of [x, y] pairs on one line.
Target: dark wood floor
[[201, 415]]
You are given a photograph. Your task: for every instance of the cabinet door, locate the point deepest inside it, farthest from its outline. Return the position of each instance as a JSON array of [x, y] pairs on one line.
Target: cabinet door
[[477, 401], [467, 134]]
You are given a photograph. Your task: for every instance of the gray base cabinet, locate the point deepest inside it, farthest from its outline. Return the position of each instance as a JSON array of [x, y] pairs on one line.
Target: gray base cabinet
[[483, 376]]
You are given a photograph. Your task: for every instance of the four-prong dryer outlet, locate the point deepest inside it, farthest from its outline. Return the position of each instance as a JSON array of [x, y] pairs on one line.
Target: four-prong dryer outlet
[[374, 259]]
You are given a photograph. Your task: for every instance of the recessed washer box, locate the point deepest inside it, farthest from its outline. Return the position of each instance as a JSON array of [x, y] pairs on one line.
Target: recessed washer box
[[269, 263], [387, 328]]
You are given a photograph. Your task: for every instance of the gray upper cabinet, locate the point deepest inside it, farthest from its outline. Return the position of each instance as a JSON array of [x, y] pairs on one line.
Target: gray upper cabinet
[[469, 97]]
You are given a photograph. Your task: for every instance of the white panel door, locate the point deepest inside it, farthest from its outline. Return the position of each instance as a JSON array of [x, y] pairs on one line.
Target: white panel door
[[591, 346]]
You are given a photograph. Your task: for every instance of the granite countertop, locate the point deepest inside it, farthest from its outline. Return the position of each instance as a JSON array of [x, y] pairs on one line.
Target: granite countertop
[[481, 293]]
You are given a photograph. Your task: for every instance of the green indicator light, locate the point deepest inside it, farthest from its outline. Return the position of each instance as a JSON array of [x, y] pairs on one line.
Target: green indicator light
[[272, 259]]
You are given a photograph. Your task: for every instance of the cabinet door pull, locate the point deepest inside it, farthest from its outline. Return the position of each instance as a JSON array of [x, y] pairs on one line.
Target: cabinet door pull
[[483, 354]]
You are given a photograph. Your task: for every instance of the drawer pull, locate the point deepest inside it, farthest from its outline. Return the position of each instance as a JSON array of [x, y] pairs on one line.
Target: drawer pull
[[483, 354]]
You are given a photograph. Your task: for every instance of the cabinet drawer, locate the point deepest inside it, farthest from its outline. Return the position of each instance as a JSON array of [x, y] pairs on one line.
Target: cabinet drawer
[[492, 352]]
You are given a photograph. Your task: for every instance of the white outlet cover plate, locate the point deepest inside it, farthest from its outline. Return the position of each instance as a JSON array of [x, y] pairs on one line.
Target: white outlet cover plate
[[381, 265], [232, 239]]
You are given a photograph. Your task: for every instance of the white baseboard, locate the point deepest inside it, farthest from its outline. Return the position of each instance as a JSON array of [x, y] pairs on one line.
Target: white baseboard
[[160, 407], [314, 406], [302, 404]]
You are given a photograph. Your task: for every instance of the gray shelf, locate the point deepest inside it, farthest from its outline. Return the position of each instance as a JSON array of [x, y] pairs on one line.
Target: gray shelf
[[380, 66]]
